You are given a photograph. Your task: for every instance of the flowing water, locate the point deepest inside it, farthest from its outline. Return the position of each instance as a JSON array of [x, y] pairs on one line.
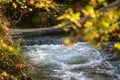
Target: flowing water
[[55, 61]]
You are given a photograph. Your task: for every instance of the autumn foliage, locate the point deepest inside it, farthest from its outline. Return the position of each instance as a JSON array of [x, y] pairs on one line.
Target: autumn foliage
[[99, 27]]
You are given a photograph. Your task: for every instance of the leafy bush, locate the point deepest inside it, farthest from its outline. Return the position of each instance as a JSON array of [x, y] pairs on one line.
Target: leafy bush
[[99, 26], [11, 61], [22, 12]]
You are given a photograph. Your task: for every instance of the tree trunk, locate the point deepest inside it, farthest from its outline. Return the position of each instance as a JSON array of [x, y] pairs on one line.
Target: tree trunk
[[24, 33]]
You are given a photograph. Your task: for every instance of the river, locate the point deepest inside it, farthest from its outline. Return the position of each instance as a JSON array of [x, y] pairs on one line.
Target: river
[[55, 61]]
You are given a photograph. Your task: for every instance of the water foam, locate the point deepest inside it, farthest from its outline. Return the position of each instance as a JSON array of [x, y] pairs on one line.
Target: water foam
[[77, 63]]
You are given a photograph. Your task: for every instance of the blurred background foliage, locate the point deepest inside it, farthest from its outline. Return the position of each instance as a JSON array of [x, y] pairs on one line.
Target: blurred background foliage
[[39, 13], [31, 13], [100, 27], [11, 62]]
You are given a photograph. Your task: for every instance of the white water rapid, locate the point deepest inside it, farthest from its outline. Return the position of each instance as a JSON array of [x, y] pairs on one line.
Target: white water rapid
[[80, 62]]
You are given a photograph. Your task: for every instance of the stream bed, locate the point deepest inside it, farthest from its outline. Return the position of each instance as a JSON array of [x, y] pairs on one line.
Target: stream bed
[[55, 61]]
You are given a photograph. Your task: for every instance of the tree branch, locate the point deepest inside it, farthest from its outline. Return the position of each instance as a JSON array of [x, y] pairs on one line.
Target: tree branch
[[17, 33]]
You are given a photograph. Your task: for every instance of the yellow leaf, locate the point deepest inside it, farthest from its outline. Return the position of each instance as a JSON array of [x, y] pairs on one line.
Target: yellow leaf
[[40, 5], [10, 0], [85, 12], [117, 45], [1, 41], [106, 24], [4, 73], [66, 29], [48, 2], [119, 35], [110, 15], [68, 16], [67, 41], [74, 27], [93, 15], [60, 25], [14, 5], [4, 45], [30, 9], [112, 29], [101, 1], [31, 2], [10, 48], [88, 24], [61, 17]]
